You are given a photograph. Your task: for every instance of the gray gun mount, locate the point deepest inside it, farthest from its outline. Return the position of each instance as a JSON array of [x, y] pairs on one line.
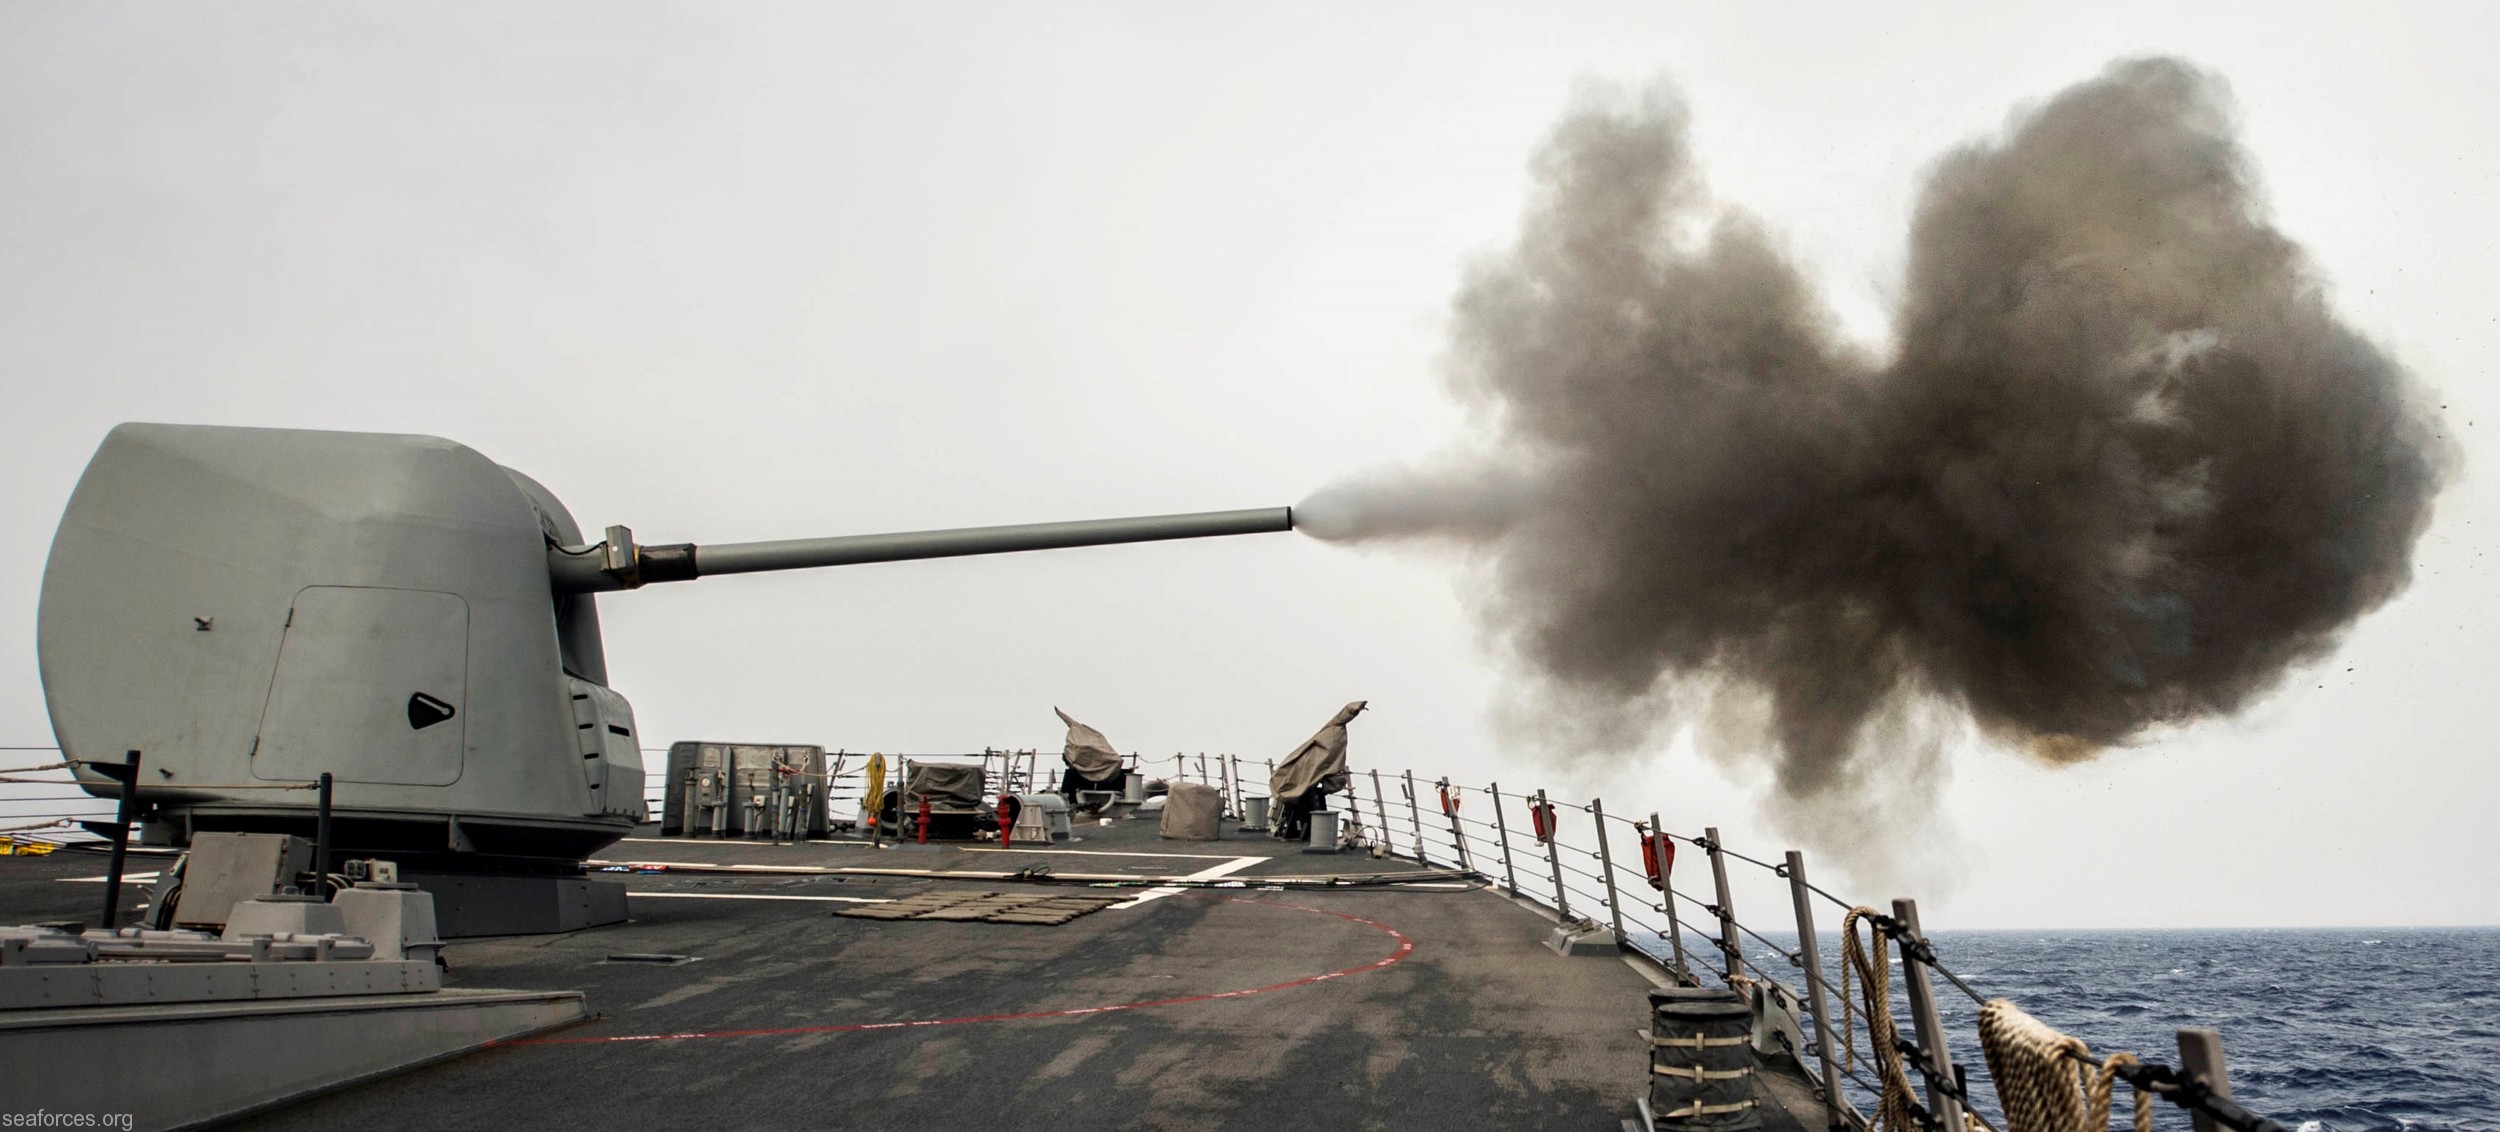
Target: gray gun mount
[[254, 607]]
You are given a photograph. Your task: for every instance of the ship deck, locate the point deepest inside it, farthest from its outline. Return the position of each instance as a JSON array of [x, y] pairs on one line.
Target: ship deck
[[1432, 1003]]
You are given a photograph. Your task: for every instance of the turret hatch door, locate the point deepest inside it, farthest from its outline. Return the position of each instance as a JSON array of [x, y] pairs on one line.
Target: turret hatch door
[[372, 686]]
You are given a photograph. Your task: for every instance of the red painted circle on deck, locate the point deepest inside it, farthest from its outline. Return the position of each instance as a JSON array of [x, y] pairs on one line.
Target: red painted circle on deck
[[1405, 947]]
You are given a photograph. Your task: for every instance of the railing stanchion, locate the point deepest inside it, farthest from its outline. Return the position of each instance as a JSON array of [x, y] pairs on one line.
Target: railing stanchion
[[1458, 836], [1553, 854], [2200, 1053], [1675, 922], [1415, 818], [1730, 946], [1501, 834], [1810, 951], [1380, 806], [1606, 866], [1922, 995]]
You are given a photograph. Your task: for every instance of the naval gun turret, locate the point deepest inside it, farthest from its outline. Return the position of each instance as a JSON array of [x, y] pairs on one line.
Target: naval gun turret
[[255, 607]]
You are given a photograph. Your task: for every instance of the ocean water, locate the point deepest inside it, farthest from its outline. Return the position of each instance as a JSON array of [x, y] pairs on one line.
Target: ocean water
[[2335, 1030]]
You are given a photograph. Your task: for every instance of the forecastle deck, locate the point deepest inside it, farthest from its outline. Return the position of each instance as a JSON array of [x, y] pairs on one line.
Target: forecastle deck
[[1266, 988]]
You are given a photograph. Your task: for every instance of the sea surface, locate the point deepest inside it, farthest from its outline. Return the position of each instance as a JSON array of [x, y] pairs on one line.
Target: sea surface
[[2325, 1030]]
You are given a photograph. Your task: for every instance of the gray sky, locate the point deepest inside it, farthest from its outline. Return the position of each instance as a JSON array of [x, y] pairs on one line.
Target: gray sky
[[726, 273]]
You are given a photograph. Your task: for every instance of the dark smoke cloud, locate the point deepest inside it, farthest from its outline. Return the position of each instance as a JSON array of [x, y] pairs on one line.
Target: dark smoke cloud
[[2123, 468]]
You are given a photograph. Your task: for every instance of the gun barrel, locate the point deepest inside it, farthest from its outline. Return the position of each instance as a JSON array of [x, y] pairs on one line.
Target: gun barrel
[[806, 553], [610, 567]]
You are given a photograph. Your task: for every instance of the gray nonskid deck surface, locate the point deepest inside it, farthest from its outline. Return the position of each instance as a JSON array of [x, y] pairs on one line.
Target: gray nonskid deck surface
[[1479, 1026]]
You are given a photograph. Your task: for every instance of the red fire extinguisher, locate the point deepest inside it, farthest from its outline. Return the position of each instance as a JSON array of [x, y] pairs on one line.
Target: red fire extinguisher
[[1541, 818]]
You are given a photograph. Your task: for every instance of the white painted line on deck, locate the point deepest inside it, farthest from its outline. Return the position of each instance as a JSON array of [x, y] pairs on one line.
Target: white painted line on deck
[[707, 842], [637, 894], [1105, 853], [1231, 864], [99, 878], [1228, 868], [759, 843], [714, 866]]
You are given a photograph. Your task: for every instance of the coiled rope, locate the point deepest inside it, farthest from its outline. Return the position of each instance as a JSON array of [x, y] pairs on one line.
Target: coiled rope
[[1896, 1108], [2045, 1079]]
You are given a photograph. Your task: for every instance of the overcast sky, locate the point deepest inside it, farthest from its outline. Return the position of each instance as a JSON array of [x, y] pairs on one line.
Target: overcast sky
[[737, 272]]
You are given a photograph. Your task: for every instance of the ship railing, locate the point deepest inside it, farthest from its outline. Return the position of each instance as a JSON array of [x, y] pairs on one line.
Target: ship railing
[[1578, 862], [1574, 860]]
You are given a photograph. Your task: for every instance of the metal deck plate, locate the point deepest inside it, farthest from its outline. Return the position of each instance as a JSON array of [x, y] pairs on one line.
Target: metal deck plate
[[1038, 906]]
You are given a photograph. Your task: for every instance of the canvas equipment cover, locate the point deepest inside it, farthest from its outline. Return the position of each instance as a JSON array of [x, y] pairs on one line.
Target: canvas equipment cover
[[1319, 762], [1088, 753], [949, 789], [1194, 811]]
